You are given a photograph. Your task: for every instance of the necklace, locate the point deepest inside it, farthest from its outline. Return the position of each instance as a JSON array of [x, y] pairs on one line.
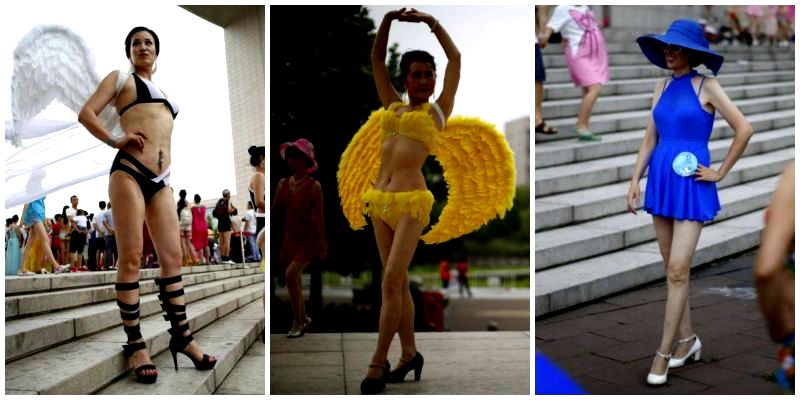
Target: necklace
[[297, 182]]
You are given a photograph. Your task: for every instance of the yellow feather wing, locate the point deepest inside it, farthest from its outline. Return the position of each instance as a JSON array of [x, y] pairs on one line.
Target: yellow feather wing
[[478, 167], [358, 169]]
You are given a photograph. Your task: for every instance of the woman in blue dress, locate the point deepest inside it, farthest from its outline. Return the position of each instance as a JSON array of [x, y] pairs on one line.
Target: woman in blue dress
[[681, 191], [13, 253]]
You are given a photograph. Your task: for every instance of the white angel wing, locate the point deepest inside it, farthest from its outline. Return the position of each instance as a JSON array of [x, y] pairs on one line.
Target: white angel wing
[[52, 63]]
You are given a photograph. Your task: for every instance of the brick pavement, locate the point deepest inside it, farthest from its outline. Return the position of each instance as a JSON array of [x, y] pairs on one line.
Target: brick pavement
[[607, 346]]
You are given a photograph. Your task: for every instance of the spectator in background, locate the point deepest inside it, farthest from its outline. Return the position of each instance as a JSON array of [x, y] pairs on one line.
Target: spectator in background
[[33, 216], [200, 232], [257, 197], [755, 14], [185, 221], [111, 243], [250, 226], [541, 124], [774, 274], [79, 238], [13, 243], [444, 273], [55, 237], [222, 212], [785, 16], [463, 279], [587, 58], [100, 241]]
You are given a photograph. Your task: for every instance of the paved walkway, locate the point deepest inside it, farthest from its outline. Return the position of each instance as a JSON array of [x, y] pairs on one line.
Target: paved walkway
[[488, 363], [247, 377], [608, 346]]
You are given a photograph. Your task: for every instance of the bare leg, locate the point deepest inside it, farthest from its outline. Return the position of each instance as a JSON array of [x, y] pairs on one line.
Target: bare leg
[[26, 253], [539, 98], [684, 242], [162, 222], [294, 284], [404, 243], [125, 193], [39, 233], [590, 95]]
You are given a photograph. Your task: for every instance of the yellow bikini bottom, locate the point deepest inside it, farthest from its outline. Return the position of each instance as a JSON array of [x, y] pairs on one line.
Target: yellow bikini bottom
[[389, 207]]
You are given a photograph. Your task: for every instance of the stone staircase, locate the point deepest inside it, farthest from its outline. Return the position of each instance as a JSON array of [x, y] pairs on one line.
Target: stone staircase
[[587, 246], [63, 333]]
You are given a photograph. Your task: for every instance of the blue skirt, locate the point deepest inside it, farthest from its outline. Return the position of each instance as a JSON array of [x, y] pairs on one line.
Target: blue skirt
[[671, 195], [13, 255]]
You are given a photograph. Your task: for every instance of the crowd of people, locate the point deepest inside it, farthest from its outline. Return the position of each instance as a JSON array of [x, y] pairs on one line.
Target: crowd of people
[[76, 240]]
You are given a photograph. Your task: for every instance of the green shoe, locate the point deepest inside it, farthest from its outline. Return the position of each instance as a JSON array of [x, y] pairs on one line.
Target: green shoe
[[587, 136]]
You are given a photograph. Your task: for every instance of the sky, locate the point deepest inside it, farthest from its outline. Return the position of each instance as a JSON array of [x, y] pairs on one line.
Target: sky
[[191, 70], [496, 48]]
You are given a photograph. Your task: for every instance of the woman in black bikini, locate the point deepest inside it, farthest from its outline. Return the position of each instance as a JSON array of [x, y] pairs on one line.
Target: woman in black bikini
[[139, 173]]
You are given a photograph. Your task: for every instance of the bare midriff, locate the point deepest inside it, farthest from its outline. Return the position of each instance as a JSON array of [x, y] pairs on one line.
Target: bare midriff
[[155, 121], [401, 165]]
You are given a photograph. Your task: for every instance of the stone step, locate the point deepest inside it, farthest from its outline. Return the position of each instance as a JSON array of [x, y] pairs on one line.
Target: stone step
[[597, 202], [247, 377], [228, 339], [24, 305], [647, 70], [560, 152], [633, 47], [559, 61], [586, 174], [51, 282], [616, 232], [566, 90], [617, 103], [87, 365], [583, 281], [29, 335]]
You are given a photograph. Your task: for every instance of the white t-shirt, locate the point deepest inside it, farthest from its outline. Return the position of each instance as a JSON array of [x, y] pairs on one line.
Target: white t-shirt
[[72, 213], [562, 22], [250, 217], [98, 219], [82, 221]]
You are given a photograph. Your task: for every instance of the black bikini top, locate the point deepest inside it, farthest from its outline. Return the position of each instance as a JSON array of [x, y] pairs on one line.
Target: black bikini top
[[147, 92]]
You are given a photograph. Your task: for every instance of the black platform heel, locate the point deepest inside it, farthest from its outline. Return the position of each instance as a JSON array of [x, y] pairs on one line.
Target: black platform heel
[[175, 314], [399, 374], [375, 385], [134, 333]]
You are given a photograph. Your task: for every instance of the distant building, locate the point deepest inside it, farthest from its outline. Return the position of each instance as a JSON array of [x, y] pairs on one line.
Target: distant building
[[244, 49], [518, 134]]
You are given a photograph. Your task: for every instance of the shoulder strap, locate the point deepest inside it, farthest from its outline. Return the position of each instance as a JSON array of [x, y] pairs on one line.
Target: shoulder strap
[[665, 85], [438, 109], [700, 88]]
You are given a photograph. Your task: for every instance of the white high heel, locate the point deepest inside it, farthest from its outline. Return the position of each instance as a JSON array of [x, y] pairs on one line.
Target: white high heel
[[656, 380], [694, 351]]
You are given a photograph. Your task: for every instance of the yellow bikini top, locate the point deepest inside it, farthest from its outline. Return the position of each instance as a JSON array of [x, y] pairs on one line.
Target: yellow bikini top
[[416, 124]]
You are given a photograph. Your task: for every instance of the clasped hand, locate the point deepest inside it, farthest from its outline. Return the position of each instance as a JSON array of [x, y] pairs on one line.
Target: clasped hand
[[411, 15]]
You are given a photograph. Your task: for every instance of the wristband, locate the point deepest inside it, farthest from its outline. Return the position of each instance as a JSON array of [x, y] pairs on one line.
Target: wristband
[[111, 142]]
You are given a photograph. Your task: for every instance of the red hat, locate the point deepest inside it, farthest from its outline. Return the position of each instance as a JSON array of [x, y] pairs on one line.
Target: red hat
[[305, 147]]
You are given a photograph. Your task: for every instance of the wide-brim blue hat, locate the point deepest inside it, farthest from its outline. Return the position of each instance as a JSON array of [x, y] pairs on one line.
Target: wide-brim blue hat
[[685, 33]]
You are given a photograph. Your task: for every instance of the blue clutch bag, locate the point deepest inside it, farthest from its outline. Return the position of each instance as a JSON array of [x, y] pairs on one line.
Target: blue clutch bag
[[684, 164]]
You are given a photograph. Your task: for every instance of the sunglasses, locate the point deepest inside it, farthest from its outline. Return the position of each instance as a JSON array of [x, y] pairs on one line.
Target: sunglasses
[[672, 48]]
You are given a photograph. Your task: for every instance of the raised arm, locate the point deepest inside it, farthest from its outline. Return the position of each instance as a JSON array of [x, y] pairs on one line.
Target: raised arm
[[104, 94], [386, 91]]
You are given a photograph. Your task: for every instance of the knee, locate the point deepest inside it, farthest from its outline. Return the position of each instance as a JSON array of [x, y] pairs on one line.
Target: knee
[[292, 273], [678, 273], [392, 285], [595, 89]]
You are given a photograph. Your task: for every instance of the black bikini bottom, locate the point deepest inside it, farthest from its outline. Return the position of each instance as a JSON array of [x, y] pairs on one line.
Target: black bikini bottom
[[148, 181]]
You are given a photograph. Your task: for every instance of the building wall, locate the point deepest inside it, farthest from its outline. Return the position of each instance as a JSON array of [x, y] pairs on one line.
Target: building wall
[[244, 47], [518, 134]]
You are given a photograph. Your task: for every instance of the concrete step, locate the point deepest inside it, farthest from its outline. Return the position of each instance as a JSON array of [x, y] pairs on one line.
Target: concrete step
[[51, 282], [586, 174], [560, 152], [633, 47], [247, 377], [228, 339], [647, 70], [559, 61], [597, 202], [34, 303], [566, 90], [87, 365], [637, 119], [618, 103], [616, 232], [32, 334], [583, 281]]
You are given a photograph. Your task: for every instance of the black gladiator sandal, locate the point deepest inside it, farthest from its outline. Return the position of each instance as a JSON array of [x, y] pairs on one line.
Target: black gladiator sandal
[[134, 333], [175, 314]]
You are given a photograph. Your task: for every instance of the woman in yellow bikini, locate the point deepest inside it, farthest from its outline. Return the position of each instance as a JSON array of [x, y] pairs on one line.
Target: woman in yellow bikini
[[380, 175]]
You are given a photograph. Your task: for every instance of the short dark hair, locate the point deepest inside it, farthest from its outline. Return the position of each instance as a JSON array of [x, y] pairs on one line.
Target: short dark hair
[[129, 38], [70, 197], [57, 217], [412, 56], [102, 205], [15, 218], [196, 198], [8, 221], [256, 152]]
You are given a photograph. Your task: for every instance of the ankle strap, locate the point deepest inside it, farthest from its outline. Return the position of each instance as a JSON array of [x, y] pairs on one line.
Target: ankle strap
[[126, 285], [684, 340], [664, 356], [132, 348], [377, 366]]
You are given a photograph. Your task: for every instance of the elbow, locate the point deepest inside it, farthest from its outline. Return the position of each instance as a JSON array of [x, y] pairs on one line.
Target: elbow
[[455, 57], [83, 116]]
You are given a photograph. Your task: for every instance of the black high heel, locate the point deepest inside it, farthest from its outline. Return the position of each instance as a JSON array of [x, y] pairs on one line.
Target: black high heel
[[375, 385], [175, 313], [399, 374], [134, 333]]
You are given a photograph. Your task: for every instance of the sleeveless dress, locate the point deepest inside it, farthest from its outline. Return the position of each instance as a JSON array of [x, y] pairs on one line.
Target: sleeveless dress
[[684, 129], [13, 253], [302, 239], [199, 228]]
